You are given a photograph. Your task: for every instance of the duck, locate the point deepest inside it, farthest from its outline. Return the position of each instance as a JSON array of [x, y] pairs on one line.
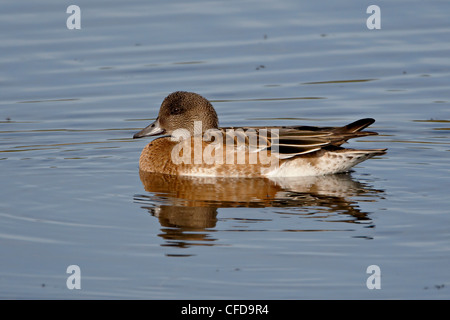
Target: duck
[[191, 143]]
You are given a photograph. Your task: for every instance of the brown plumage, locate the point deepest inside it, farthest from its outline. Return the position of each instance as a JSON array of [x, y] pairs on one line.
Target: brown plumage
[[299, 150]]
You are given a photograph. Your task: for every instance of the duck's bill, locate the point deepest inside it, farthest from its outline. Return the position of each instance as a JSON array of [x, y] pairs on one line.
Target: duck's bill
[[152, 130]]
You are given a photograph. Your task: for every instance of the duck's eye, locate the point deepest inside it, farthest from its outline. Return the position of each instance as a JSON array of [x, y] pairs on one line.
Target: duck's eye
[[176, 110]]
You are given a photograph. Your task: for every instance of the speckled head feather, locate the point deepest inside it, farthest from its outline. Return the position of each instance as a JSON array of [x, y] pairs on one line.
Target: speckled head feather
[[181, 109]]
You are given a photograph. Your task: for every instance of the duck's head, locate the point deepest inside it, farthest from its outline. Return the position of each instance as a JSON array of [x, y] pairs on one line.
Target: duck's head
[[181, 110]]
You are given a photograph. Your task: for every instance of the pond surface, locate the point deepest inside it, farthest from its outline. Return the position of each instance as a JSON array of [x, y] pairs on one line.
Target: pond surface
[[71, 192]]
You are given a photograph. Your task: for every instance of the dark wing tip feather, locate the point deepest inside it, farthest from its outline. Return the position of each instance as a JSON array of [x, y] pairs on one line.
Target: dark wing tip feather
[[358, 125]]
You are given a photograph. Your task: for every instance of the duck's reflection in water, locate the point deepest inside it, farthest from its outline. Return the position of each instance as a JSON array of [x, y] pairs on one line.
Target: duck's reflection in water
[[186, 207]]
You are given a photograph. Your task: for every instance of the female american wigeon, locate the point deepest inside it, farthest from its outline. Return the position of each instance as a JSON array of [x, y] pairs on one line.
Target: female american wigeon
[[193, 144]]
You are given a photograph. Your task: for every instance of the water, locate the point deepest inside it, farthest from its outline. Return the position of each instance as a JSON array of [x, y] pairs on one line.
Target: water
[[71, 193]]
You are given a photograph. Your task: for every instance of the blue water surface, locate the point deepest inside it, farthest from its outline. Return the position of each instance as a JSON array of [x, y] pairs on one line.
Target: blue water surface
[[71, 192]]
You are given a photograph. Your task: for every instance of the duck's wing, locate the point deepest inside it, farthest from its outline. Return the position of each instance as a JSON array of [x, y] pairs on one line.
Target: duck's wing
[[291, 141]]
